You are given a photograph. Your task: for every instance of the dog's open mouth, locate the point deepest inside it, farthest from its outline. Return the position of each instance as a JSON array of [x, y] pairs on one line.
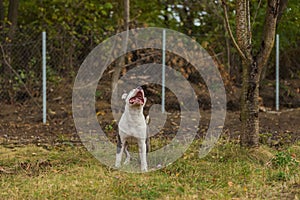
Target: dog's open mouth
[[138, 98]]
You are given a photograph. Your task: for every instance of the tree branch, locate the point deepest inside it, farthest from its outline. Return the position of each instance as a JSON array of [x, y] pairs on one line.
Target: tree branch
[[256, 12], [230, 32], [282, 8], [249, 33], [268, 39]]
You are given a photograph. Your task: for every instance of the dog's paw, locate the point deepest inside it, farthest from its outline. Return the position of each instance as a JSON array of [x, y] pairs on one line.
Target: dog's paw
[[127, 161], [145, 169]]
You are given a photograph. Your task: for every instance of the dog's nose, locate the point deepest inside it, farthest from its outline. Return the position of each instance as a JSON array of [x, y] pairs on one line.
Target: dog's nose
[[139, 88]]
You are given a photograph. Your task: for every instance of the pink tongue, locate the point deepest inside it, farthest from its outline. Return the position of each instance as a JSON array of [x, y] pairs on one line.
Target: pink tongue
[[139, 100], [136, 100]]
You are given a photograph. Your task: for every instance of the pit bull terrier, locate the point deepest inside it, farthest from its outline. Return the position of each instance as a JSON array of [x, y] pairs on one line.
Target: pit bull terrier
[[133, 125]]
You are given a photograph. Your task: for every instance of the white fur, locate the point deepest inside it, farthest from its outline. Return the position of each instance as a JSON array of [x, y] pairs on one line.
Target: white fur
[[132, 124]]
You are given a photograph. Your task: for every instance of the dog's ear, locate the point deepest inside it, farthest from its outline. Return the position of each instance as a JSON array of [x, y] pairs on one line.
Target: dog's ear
[[124, 96]]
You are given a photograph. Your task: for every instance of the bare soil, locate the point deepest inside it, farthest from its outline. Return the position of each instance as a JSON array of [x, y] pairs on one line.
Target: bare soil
[[22, 123]]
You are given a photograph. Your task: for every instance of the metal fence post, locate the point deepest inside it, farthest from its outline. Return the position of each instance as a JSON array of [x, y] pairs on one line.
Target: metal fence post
[[277, 72], [44, 76], [163, 71]]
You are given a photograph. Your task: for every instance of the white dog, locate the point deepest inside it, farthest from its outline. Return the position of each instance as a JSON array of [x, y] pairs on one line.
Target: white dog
[[133, 124]]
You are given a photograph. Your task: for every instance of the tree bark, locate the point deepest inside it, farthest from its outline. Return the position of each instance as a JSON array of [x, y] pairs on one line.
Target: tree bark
[[249, 105], [252, 65], [12, 17], [1, 14], [249, 96], [121, 61], [282, 8], [252, 69]]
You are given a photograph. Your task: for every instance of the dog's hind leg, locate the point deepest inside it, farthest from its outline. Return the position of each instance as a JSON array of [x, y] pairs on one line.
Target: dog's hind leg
[[142, 151], [127, 160], [148, 145], [120, 150]]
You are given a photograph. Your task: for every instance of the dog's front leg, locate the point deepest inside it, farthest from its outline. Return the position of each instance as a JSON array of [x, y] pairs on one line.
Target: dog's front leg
[[120, 150], [143, 157]]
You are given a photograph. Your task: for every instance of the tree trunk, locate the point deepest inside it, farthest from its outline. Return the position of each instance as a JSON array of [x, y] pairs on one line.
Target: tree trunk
[[1, 14], [252, 70], [121, 61], [1, 32], [13, 17], [250, 89], [249, 105], [253, 65]]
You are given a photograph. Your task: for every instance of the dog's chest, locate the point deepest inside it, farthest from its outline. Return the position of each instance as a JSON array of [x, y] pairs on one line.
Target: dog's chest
[[133, 124]]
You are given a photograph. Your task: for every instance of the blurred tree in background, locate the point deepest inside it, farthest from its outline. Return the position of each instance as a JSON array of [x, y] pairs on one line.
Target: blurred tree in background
[[75, 27], [91, 21]]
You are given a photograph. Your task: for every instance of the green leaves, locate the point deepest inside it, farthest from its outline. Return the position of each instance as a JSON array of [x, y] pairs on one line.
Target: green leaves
[[74, 17], [289, 26]]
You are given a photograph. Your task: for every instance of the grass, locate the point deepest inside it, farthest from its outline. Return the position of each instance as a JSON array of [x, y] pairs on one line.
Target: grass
[[228, 172]]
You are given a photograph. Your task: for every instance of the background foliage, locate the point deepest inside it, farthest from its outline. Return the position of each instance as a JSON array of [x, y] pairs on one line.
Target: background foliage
[[75, 27]]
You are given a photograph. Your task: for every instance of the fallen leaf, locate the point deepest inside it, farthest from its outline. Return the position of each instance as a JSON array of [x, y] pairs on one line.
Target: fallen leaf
[[230, 184]]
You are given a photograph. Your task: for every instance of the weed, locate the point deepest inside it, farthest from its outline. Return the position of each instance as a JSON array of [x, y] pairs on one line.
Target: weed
[[98, 94], [283, 159], [285, 166], [110, 127]]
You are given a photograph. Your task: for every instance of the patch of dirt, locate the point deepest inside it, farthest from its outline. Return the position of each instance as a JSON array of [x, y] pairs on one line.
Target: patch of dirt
[[22, 123]]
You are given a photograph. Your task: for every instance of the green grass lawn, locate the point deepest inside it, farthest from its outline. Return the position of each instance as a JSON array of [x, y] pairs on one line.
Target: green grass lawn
[[228, 172]]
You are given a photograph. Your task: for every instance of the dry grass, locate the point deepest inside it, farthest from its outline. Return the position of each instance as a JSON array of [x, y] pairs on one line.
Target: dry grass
[[228, 172]]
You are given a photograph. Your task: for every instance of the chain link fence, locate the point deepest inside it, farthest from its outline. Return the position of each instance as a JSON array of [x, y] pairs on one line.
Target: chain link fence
[[21, 72], [20, 68]]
